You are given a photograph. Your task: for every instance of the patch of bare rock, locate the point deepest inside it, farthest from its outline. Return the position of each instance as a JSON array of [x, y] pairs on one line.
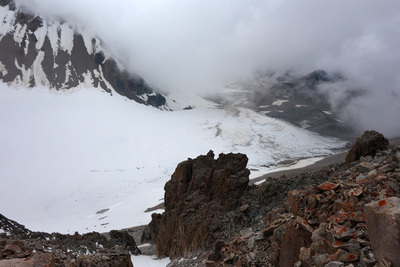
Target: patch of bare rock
[[346, 214], [22, 247]]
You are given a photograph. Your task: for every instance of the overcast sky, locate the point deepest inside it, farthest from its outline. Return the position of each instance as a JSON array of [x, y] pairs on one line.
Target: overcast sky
[[204, 44]]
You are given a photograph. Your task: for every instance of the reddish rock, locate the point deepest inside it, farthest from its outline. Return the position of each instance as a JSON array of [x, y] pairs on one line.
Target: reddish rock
[[367, 144], [367, 166], [344, 256], [343, 233], [297, 235], [35, 260], [327, 186], [293, 196], [383, 225], [355, 192]]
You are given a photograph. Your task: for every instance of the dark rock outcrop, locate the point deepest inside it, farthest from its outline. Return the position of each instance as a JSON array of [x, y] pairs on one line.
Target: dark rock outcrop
[[210, 201], [38, 52], [20, 245], [313, 219], [200, 190], [367, 144]]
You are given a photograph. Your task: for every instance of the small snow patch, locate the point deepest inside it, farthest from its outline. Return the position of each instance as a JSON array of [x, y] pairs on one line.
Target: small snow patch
[[279, 102], [304, 124], [327, 112], [145, 245], [299, 106], [149, 261], [259, 182]]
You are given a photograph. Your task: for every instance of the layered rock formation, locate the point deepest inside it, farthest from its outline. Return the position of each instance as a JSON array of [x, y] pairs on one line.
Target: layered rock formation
[[38, 52]]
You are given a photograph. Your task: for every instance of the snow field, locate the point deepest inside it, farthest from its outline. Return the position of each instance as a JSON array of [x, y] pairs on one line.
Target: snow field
[[82, 160]]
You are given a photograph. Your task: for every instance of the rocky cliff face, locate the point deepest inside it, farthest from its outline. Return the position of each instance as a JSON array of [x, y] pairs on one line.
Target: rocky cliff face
[[38, 52], [336, 216], [200, 190], [208, 200]]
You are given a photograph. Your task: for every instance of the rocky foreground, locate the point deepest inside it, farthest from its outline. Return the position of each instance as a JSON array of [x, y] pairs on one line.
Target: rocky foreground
[[346, 214]]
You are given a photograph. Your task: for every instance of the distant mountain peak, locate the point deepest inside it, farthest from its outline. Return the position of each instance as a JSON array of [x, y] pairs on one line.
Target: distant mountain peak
[[39, 52]]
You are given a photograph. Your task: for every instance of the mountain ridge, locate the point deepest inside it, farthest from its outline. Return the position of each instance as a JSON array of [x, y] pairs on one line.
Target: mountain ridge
[[37, 52]]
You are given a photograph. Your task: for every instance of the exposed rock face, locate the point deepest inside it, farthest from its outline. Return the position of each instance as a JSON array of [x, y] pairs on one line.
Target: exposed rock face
[[53, 54], [199, 191], [383, 225], [334, 213], [211, 199], [19, 245], [323, 222], [367, 144]]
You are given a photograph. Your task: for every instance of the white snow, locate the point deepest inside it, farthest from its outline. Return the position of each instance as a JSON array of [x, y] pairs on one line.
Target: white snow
[[67, 155], [26, 73], [52, 31], [19, 33], [88, 36], [279, 102], [305, 124], [299, 106], [67, 37], [3, 69], [149, 261], [38, 72], [327, 112], [40, 34], [299, 164], [7, 18]]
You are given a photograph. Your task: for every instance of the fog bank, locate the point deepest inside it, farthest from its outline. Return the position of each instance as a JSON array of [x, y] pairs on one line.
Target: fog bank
[[201, 45]]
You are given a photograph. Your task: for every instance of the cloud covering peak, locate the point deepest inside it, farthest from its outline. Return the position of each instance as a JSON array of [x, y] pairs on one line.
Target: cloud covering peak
[[203, 44]]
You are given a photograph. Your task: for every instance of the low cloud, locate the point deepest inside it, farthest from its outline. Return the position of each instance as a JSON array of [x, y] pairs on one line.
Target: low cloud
[[201, 45]]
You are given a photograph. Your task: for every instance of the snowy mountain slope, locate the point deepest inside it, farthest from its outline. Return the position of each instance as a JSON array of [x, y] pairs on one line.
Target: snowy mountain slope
[[79, 160], [309, 101], [39, 52]]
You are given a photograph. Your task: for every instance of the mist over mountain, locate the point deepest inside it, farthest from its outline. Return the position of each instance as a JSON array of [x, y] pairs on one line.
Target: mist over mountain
[[54, 54], [203, 45], [307, 101]]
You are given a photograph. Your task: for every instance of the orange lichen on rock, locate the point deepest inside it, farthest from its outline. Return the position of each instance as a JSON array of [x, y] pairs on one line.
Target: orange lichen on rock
[[382, 203], [327, 186]]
